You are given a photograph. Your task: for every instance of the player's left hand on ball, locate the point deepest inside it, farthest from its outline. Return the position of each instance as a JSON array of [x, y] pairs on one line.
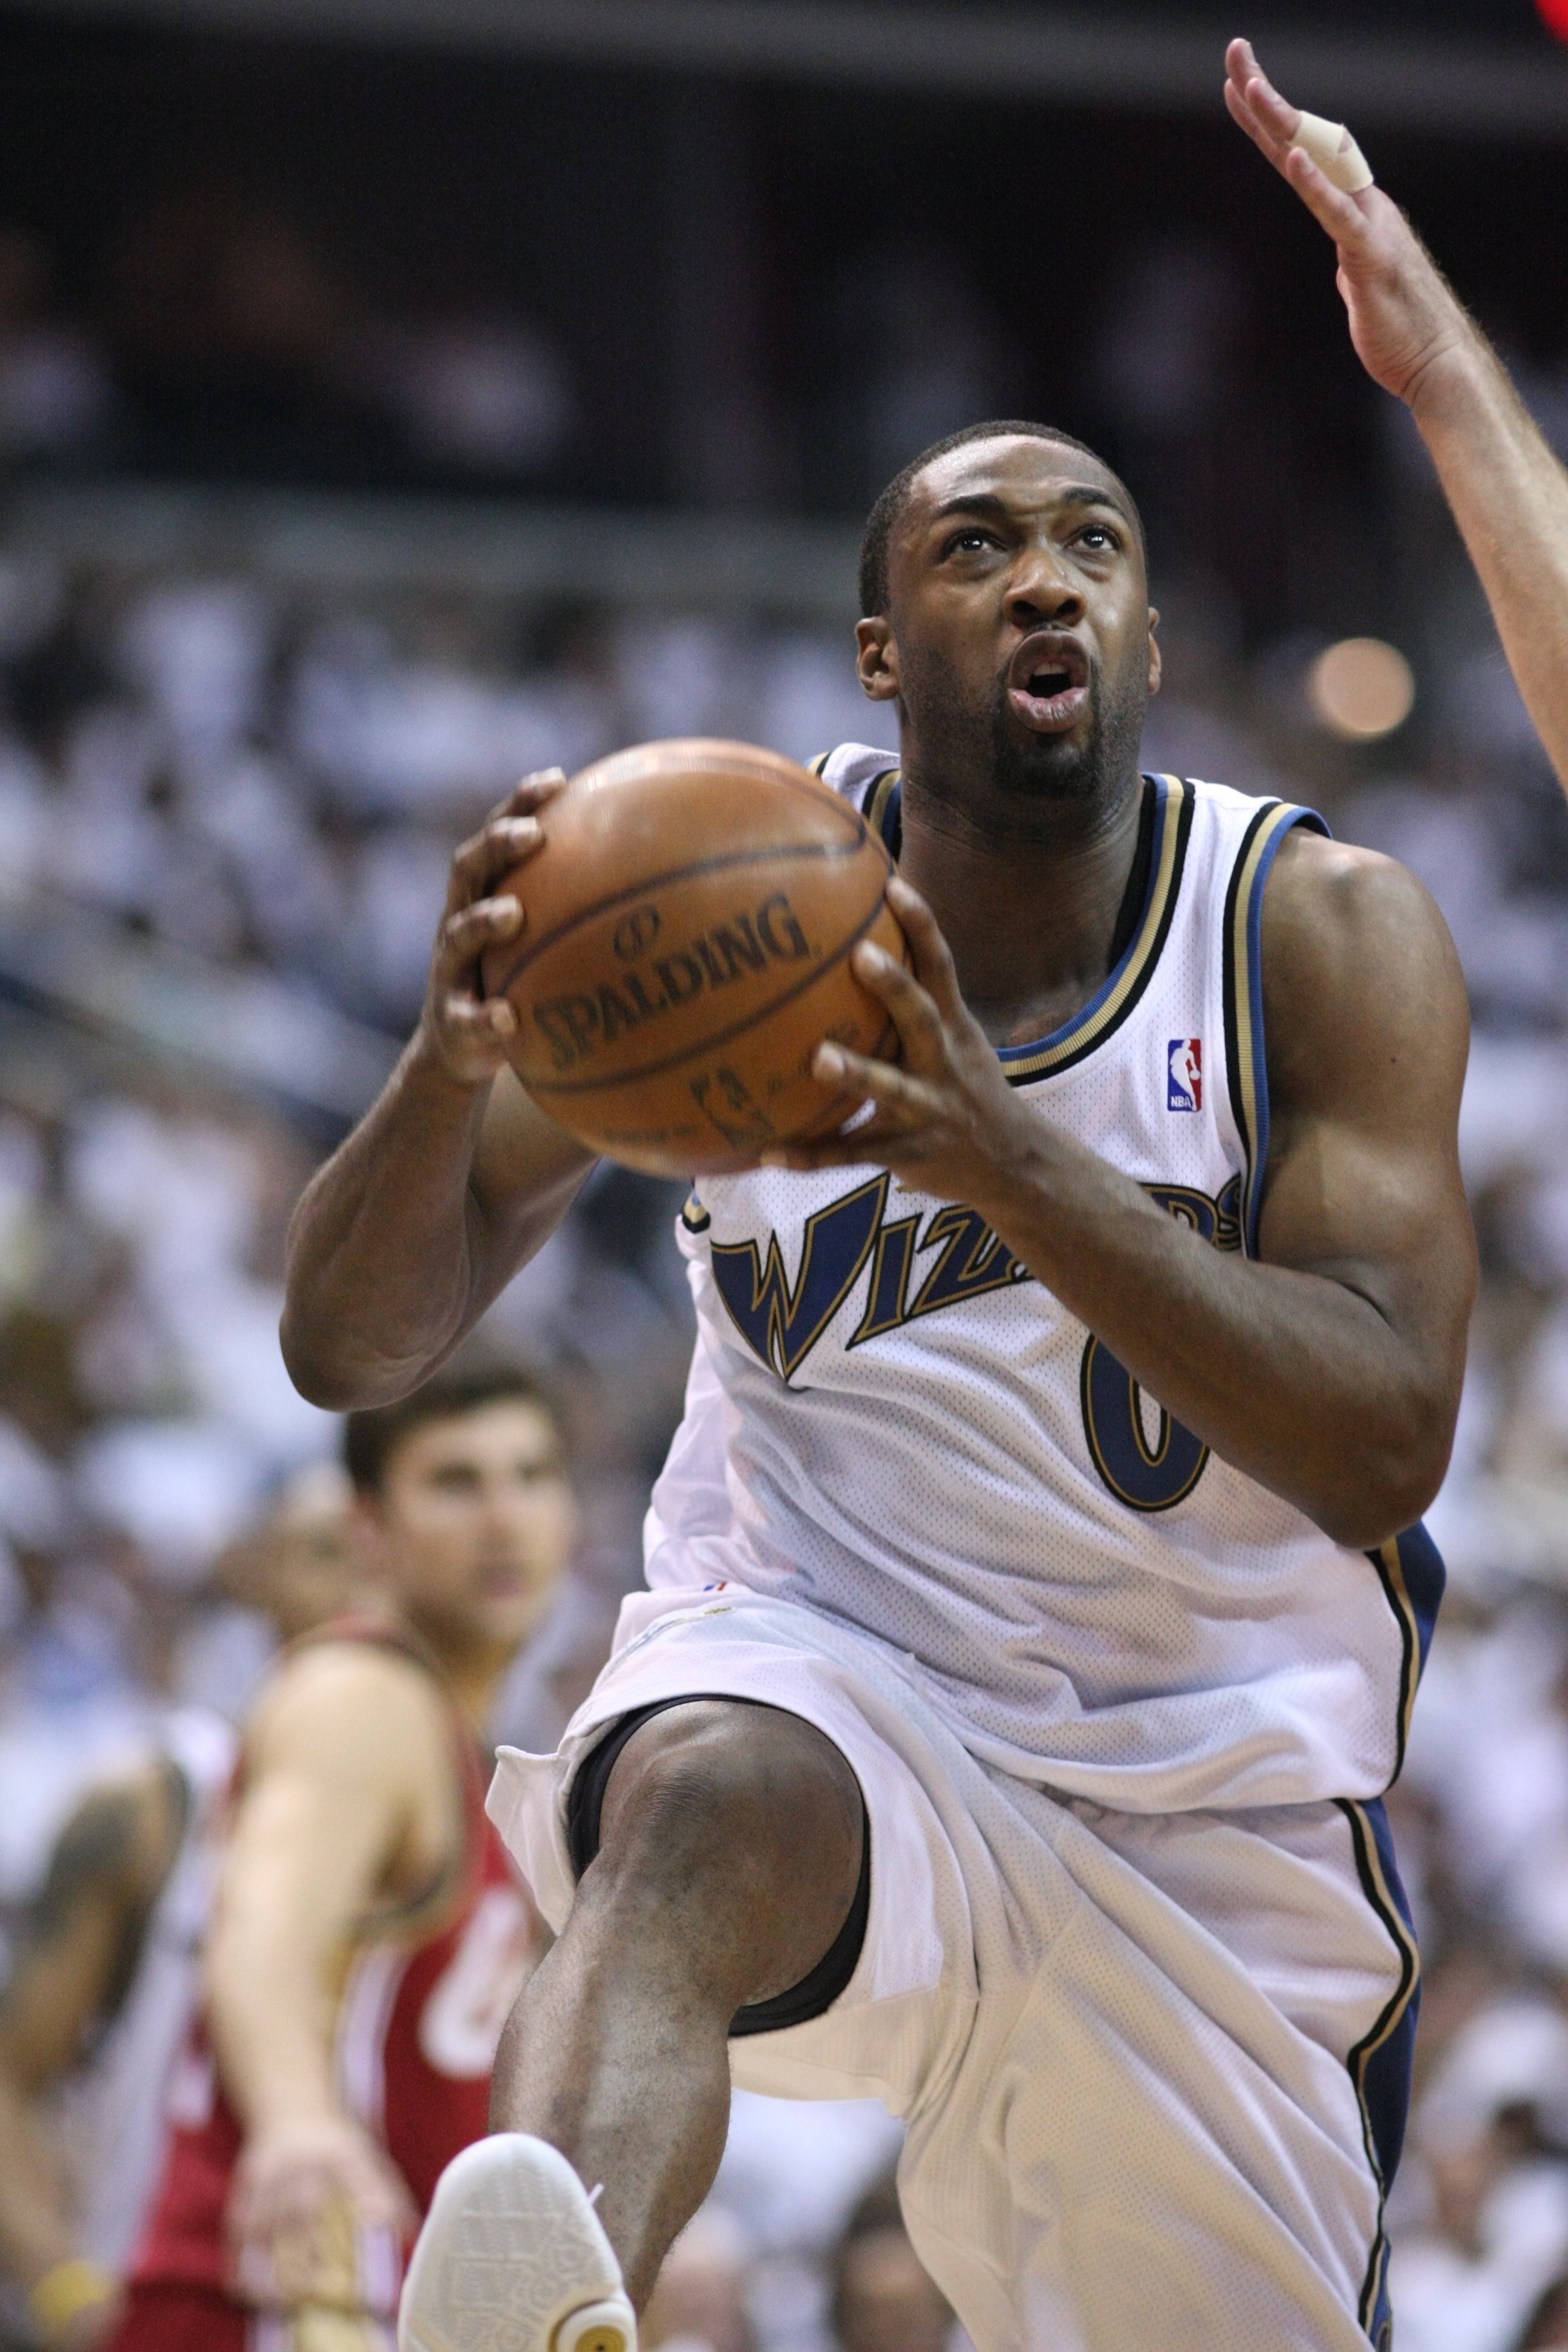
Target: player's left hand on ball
[[946, 1117], [1405, 321]]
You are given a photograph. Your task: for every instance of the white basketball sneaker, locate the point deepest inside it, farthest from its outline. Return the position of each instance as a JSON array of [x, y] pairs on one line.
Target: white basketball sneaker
[[512, 2258]]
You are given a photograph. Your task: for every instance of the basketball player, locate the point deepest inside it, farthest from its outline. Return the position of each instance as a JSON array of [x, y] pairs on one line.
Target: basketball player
[[1508, 491], [101, 1989], [1036, 1592], [369, 1935]]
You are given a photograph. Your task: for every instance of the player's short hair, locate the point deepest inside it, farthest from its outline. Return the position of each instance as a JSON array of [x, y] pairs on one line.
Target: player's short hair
[[883, 519], [371, 1438]]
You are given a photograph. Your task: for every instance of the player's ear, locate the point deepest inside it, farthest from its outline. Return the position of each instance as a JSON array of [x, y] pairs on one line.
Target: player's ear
[[1156, 666], [877, 660]]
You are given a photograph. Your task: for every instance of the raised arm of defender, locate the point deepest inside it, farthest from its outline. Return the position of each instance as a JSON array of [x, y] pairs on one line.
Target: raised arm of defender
[[453, 1179], [1508, 494]]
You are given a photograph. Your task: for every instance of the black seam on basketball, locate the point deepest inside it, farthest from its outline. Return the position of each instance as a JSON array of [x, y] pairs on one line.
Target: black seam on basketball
[[861, 834], [694, 1052]]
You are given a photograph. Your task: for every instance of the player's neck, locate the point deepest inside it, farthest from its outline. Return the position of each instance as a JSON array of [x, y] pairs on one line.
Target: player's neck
[[1030, 922], [472, 1669]]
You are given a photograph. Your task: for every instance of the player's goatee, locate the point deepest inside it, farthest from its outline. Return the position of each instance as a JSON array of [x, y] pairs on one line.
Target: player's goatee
[[1057, 769]]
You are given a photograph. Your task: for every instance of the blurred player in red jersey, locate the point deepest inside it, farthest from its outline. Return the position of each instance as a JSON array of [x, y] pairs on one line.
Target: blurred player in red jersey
[[370, 1935]]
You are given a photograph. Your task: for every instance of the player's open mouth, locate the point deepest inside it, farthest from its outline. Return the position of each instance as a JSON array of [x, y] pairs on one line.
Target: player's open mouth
[[1047, 683]]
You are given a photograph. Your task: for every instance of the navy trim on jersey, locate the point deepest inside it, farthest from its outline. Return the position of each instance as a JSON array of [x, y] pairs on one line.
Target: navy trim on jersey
[[881, 805], [1243, 994], [1411, 1569], [1106, 1011], [1380, 2062]]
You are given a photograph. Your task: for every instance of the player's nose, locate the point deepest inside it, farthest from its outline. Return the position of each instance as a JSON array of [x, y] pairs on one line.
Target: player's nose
[[1040, 592]]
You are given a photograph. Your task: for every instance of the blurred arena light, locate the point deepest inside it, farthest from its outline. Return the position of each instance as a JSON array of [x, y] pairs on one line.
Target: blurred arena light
[[1360, 689], [1554, 16]]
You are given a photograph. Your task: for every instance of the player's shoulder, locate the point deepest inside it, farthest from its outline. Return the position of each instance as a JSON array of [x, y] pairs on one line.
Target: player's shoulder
[[854, 769], [1325, 896], [340, 1690], [1356, 958]]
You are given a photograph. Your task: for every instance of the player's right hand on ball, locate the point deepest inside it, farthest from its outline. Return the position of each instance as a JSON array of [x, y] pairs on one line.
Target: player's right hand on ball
[[468, 1034]]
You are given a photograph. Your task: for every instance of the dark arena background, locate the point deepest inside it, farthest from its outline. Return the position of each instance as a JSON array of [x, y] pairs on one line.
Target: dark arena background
[[396, 396]]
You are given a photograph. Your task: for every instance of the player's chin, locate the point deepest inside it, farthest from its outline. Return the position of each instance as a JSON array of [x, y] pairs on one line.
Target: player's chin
[[503, 1617]]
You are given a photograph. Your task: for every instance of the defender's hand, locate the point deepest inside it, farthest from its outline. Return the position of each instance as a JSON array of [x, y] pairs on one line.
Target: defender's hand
[[1404, 318], [947, 1120], [305, 2194], [466, 1033]]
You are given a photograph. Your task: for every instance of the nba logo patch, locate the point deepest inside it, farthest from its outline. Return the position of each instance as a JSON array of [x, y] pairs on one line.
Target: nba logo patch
[[1184, 1074]]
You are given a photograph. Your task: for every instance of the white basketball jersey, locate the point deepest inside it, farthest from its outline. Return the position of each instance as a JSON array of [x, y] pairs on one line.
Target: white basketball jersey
[[115, 2119], [891, 1421]]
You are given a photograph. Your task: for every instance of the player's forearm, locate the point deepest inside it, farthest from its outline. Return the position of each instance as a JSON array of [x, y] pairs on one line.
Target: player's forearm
[[35, 2233], [1510, 498], [1293, 1379], [272, 2017], [388, 1247]]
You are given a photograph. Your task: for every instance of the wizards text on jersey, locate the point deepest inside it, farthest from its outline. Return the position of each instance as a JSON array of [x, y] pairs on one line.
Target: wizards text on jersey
[[919, 1264]]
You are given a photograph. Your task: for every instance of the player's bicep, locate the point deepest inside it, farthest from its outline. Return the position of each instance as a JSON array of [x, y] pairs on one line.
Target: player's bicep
[[340, 1758], [1368, 1032], [527, 1170]]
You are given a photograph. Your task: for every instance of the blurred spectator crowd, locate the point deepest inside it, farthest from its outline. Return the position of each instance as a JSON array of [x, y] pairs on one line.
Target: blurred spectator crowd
[[268, 781], [220, 324]]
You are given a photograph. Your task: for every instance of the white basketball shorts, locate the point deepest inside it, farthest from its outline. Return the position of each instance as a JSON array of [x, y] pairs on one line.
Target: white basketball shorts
[[1152, 2067]]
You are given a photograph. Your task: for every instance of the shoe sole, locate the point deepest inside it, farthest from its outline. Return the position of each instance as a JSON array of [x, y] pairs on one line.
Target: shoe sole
[[512, 2258]]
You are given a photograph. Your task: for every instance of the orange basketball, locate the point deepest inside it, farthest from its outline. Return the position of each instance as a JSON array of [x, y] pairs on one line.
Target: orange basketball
[[691, 918]]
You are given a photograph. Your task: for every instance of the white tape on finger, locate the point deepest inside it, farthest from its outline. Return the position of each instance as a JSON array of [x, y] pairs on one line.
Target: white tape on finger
[[1334, 153]]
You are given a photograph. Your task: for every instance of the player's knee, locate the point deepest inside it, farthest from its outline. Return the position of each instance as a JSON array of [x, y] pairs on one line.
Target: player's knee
[[745, 1795]]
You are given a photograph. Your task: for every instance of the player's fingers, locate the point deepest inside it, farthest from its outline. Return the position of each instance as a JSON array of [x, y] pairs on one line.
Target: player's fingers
[[380, 2199], [866, 1142], [491, 851], [1261, 136], [915, 1013], [1344, 216], [472, 1019], [529, 793], [898, 1096], [932, 957], [466, 935], [1276, 113]]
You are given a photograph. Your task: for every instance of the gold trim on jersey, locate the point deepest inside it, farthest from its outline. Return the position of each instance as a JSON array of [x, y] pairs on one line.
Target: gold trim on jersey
[[1106, 1012], [1245, 1041], [1390, 1566], [1380, 1894]]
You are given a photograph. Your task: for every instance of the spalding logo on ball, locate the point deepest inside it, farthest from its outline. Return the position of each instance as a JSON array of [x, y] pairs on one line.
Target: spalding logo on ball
[[689, 924]]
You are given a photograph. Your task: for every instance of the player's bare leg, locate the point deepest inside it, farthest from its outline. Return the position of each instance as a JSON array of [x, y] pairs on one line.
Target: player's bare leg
[[729, 1857]]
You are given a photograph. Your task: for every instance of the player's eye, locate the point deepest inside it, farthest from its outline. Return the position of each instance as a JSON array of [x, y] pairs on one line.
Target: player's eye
[[455, 1481], [966, 540], [1098, 535]]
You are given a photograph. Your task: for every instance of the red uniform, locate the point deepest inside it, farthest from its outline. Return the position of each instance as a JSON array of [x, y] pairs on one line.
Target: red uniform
[[427, 1993]]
